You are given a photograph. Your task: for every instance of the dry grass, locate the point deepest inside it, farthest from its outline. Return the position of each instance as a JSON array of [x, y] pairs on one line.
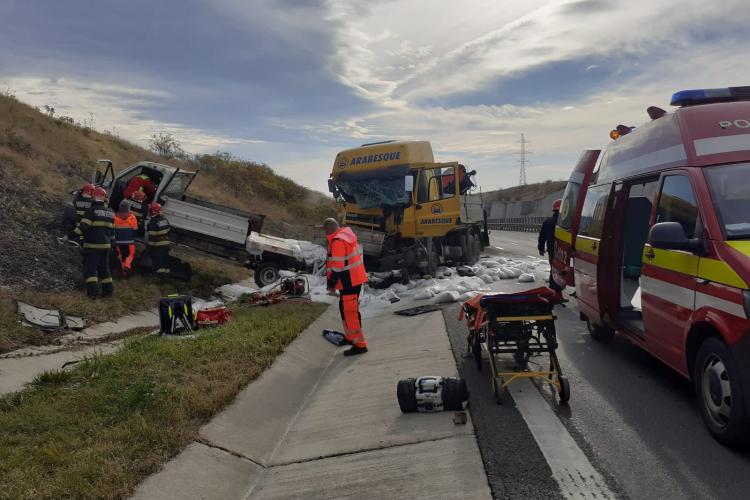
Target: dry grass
[[132, 295], [525, 193], [97, 430]]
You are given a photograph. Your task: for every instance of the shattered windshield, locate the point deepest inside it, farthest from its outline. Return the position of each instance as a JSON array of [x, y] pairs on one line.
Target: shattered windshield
[[731, 194], [373, 193]]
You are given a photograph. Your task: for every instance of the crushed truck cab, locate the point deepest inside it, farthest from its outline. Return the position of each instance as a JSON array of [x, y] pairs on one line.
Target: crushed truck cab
[[409, 212]]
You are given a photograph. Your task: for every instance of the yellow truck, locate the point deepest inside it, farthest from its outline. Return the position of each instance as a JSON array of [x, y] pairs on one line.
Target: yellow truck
[[409, 212]]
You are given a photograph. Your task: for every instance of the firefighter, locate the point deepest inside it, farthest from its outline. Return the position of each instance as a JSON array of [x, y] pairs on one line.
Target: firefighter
[[81, 203], [157, 235], [140, 182], [139, 208], [345, 272], [126, 226], [96, 231], [547, 242]]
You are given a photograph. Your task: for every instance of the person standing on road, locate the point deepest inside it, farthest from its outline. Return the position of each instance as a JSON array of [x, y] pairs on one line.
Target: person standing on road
[[96, 231], [345, 272], [125, 229], [547, 242], [157, 239]]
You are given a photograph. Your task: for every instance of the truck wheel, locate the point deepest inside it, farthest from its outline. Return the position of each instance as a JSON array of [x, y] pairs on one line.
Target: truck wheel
[[720, 392], [600, 333], [266, 273], [432, 259]]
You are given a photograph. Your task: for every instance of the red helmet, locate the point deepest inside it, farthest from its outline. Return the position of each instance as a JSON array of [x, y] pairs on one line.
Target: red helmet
[[154, 209], [138, 196], [88, 189], [99, 194], [556, 205]]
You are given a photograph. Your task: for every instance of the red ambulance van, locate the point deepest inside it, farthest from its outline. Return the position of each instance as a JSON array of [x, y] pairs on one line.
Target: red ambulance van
[[655, 236]]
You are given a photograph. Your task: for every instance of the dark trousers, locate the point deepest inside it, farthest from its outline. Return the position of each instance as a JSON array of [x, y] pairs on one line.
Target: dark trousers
[[96, 272], [160, 259]]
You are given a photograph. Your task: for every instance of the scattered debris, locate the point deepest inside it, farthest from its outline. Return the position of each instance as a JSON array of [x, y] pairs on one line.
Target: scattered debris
[[213, 316], [431, 394], [334, 337], [459, 418], [526, 278], [465, 271], [413, 311], [48, 319], [287, 288]]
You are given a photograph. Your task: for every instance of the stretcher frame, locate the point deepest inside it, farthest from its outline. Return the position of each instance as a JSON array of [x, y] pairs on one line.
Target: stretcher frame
[[526, 327]]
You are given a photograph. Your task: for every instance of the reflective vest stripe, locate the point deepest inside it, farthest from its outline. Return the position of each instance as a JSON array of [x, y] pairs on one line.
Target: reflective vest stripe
[[98, 246], [159, 243], [161, 232], [346, 257]]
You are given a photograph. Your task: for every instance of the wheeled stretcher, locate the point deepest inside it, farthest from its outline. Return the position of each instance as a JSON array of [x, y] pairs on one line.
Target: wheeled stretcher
[[521, 324]]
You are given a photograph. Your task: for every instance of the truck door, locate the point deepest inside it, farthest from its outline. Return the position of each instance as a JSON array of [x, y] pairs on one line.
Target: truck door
[[668, 282], [438, 206], [104, 174], [594, 214], [570, 217]]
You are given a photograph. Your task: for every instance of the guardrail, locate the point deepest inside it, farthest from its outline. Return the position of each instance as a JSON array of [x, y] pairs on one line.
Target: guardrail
[[522, 224]]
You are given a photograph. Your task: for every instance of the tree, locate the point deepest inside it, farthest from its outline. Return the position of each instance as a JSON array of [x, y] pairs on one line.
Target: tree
[[166, 146]]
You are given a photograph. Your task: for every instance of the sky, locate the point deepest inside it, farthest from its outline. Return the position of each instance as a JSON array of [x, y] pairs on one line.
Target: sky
[[291, 82]]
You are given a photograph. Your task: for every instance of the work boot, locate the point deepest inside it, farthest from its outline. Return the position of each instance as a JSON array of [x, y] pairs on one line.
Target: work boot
[[560, 298], [354, 350]]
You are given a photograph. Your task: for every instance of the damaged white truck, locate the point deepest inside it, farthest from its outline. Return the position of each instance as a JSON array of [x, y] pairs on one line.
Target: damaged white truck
[[210, 228]]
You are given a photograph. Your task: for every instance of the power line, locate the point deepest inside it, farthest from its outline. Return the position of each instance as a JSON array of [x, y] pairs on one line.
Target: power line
[[522, 160]]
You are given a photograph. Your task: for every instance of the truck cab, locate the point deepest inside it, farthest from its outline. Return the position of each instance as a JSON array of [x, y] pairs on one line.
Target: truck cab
[[657, 234], [408, 211]]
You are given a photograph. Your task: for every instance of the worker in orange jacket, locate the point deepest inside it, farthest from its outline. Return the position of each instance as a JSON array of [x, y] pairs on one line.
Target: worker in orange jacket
[[126, 225], [345, 272]]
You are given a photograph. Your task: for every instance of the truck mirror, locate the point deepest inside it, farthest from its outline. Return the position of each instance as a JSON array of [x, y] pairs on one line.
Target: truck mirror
[[408, 183], [98, 177], [331, 186], [671, 236]]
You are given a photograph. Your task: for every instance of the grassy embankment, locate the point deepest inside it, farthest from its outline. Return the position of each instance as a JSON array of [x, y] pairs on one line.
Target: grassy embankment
[[98, 429], [131, 296]]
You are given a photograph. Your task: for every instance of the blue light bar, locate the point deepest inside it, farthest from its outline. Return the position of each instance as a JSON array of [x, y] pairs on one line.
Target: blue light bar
[[707, 96]]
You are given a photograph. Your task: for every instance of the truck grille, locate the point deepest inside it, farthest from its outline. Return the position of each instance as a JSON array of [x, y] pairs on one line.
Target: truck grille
[[371, 221]]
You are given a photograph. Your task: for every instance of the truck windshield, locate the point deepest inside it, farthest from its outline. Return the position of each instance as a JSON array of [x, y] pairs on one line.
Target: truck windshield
[[730, 190], [373, 193]]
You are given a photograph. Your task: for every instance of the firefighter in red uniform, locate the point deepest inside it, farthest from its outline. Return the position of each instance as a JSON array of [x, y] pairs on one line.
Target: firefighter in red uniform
[[345, 272], [140, 182]]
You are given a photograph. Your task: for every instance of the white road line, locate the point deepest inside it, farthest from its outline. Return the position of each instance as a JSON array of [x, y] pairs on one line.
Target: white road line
[[570, 467]]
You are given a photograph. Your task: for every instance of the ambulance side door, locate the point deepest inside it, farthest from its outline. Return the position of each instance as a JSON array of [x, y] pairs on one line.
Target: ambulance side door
[[587, 244], [569, 219], [668, 282]]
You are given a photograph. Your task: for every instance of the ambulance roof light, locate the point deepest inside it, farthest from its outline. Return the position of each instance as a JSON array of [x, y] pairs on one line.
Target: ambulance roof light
[[708, 96]]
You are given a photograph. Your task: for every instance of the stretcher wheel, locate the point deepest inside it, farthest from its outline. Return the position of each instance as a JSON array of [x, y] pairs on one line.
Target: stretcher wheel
[[476, 349], [564, 392], [497, 387]]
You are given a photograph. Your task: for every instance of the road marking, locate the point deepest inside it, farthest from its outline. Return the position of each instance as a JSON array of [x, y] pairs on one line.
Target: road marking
[[570, 466]]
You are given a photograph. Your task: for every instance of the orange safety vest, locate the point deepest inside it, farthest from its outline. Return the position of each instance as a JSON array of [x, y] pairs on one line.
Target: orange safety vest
[[349, 260], [125, 228]]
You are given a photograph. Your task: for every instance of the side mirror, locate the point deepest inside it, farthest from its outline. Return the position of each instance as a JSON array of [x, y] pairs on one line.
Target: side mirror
[[331, 186], [671, 236], [98, 177], [408, 183]]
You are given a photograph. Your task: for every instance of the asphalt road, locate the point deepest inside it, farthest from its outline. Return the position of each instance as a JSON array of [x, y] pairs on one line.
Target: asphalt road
[[636, 420]]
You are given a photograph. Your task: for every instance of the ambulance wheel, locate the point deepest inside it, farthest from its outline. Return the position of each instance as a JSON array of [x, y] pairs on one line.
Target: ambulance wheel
[[499, 390], [564, 392], [600, 332], [719, 390], [266, 273], [454, 394], [406, 392], [476, 349]]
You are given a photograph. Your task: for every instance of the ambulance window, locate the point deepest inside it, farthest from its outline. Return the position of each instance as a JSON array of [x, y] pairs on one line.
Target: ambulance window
[[677, 203], [594, 210]]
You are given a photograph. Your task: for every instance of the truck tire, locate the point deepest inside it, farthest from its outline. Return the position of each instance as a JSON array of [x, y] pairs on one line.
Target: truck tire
[[406, 392], [432, 258], [718, 385], [599, 332], [266, 273]]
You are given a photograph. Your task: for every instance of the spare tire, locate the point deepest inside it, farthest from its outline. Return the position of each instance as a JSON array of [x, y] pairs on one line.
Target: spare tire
[[406, 392]]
